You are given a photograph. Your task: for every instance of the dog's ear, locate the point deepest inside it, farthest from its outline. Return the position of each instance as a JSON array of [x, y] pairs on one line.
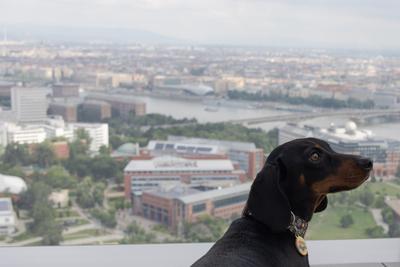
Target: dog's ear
[[267, 203], [322, 206]]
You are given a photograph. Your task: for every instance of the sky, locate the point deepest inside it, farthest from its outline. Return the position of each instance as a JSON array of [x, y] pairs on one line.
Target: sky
[[363, 24]]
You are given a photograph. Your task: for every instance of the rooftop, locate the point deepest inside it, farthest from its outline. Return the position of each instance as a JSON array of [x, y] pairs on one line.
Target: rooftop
[[173, 192], [170, 163], [232, 145], [12, 184], [217, 193]]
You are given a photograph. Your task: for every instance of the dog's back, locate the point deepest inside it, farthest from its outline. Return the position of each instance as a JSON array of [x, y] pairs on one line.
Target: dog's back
[[249, 243]]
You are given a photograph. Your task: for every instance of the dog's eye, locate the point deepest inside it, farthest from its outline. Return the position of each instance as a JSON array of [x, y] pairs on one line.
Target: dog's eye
[[314, 156]]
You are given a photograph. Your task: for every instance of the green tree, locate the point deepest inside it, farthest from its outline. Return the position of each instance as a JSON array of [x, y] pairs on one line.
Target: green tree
[[103, 167], [367, 198], [135, 234], [44, 155], [394, 229], [43, 214], [346, 221], [375, 232], [16, 154], [58, 177]]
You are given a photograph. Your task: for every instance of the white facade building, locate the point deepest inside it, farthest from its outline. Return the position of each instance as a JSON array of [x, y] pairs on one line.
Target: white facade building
[[29, 104], [98, 133], [25, 135], [7, 217]]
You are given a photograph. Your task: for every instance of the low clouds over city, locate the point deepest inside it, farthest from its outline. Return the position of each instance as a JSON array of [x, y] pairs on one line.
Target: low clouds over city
[[343, 24]]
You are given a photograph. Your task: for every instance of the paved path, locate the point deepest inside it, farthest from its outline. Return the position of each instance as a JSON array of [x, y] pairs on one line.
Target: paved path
[[376, 213], [79, 228]]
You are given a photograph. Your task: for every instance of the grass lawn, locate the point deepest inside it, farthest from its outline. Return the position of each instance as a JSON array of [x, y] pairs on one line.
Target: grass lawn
[[64, 213], [85, 234], [23, 236], [384, 188], [326, 225]]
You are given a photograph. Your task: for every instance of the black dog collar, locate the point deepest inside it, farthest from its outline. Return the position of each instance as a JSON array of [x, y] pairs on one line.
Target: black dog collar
[[298, 226]]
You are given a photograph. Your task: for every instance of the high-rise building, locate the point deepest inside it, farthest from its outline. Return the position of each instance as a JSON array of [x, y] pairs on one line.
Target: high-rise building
[[29, 104]]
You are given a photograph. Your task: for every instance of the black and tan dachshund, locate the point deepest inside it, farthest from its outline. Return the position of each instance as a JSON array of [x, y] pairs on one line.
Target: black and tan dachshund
[[292, 185]]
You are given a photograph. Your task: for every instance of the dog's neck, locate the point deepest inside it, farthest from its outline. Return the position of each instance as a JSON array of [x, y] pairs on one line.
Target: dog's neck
[[298, 226]]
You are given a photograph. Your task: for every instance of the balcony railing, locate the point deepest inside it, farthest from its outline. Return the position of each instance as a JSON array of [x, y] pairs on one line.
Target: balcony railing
[[329, 253]]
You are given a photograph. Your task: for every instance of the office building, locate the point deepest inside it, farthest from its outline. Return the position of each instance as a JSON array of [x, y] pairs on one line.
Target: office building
[[121, 105], [66, 110], [145, 174], [29, 104], [95, 110], [180, 204], [247, 155]]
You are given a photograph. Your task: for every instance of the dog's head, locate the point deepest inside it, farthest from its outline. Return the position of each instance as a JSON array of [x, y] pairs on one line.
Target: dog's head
[[296, 178]]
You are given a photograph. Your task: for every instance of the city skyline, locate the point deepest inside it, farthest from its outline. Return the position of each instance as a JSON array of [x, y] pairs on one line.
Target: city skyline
[[330, 24]]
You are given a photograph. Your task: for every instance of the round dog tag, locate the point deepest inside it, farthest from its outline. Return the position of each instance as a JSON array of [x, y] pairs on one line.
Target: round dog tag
[[301, 246]]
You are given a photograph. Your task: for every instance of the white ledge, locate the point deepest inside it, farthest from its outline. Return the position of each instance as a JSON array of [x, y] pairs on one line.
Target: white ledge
[[182, 255]]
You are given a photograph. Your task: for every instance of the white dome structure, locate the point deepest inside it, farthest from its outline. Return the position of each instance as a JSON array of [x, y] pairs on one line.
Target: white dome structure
[[351, 127], [12, 184]]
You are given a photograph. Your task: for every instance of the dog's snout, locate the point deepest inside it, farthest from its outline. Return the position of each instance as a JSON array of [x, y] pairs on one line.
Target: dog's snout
[[366, 164]]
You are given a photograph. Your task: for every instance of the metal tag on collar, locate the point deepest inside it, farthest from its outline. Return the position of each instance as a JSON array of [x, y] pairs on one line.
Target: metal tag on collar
[[301, 246]]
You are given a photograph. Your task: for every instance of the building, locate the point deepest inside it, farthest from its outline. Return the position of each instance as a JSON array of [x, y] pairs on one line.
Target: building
[[29, 104], [5, 88], [145, 174], [350, 140], [61, 149], [34, 133], [30, 134], [247, 155], [66, 110], [127, 150], [8, 220], [95, 110], [186, 150], [66, 90], [11, 185], [98, 133], [176, 205], [121, 105]]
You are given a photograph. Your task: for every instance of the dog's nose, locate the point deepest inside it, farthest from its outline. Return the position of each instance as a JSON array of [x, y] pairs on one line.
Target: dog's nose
[[365, 163]]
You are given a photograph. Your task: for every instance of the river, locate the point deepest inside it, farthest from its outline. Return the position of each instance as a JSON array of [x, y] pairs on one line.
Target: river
[[196, 109]]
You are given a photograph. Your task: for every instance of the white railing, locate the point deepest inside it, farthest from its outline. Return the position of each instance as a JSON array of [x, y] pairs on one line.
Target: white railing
[[330, 252]]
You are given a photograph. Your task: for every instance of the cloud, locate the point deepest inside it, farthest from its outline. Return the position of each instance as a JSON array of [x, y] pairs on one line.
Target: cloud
[[339, 23]]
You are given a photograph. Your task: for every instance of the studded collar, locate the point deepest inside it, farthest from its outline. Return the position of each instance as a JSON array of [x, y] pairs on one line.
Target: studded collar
[[298, 226]]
